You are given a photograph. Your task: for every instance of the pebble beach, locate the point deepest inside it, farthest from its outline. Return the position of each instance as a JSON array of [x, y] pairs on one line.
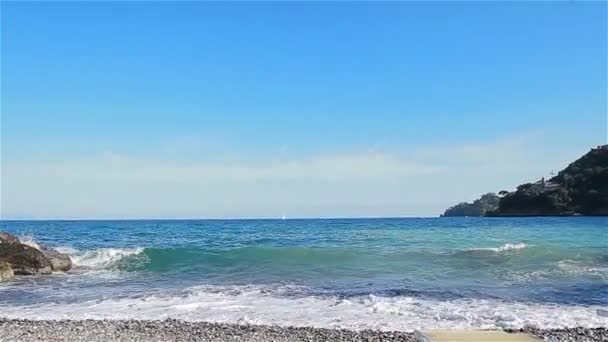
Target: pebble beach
[[175, 330]]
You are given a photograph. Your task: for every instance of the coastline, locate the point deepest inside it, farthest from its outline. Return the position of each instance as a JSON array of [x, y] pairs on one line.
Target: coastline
[[512, 215], [176, 330]]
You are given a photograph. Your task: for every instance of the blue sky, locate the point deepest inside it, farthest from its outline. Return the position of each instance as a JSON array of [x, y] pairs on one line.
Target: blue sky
[[162, 109]]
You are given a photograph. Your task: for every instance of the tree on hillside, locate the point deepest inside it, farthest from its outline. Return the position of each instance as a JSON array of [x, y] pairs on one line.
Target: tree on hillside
[[582, 187]]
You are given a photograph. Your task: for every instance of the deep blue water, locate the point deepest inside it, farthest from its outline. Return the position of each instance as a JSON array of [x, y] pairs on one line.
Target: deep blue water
[[446, 272]]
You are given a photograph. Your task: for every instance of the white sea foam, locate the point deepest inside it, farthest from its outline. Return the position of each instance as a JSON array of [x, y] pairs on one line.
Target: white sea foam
[[503, 248], [574, 267], [66, 249], [28, 240], [564, 268], [257, 305], [100, 258]]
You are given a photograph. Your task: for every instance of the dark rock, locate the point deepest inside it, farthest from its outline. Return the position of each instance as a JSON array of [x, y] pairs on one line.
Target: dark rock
[[8, 238], [24, 260], [59, 261]]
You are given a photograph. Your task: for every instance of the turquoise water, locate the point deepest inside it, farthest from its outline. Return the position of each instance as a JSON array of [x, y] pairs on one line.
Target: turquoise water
[[360, 273]]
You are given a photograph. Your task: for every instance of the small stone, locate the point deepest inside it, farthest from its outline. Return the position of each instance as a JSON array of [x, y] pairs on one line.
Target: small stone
[[6, 272]]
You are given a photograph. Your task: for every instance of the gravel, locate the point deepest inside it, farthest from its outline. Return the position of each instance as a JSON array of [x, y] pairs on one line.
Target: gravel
[[174, 330], [578, 334]]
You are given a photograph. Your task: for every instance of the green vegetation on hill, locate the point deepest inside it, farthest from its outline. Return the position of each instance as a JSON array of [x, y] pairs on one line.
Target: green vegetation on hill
[[586, 182], [534, 199], [580, 188], [479, 207]]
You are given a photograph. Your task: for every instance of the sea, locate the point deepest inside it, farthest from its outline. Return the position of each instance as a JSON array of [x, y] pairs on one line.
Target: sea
[[386, 274]]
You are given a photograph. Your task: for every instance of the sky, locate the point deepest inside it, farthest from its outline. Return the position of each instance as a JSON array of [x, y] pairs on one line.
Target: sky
[[296, 109]]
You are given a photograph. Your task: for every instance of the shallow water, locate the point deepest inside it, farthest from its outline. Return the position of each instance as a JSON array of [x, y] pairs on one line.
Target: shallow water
[[395, 274]]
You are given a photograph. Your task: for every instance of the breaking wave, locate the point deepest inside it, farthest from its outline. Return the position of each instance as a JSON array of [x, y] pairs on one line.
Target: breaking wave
[[503, 248], [268, 305], [99, 258]]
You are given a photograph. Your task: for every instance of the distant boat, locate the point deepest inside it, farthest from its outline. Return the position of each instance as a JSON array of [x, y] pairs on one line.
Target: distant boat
[[283, 217]]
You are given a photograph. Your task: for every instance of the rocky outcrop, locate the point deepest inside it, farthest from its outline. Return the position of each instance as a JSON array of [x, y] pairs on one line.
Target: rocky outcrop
[[59, 261], [17, 258], [25, 260], [6, 271], [8, 238]]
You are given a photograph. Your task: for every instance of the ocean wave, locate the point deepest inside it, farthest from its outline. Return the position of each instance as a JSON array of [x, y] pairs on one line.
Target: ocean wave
[[565, 268], [99, 258], [262, 305], [305, 259], [188, 258], [289, 262], [576, 267], [93, 259], [503, 248]]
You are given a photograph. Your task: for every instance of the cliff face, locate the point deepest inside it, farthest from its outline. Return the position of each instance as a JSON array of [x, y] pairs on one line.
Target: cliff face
[[580, 188]]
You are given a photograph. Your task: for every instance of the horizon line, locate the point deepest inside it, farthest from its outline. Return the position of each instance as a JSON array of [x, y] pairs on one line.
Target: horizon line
[[221, 219]]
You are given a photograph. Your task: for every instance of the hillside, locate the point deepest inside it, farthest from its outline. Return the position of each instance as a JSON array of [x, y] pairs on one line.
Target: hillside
[[580, 188], [479, 207]]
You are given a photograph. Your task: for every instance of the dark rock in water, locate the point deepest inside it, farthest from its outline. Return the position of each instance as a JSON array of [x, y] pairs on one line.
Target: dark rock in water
[[27, 260], [8, 238], [6, 271], [59, 261], [24, 260]]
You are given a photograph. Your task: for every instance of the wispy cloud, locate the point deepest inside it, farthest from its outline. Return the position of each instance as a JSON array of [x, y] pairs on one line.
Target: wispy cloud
[[416, 182]]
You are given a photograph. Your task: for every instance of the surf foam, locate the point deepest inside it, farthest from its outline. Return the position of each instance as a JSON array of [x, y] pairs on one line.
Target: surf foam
[[503, 248], [28, 240], [100, 258], [259, 305]]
